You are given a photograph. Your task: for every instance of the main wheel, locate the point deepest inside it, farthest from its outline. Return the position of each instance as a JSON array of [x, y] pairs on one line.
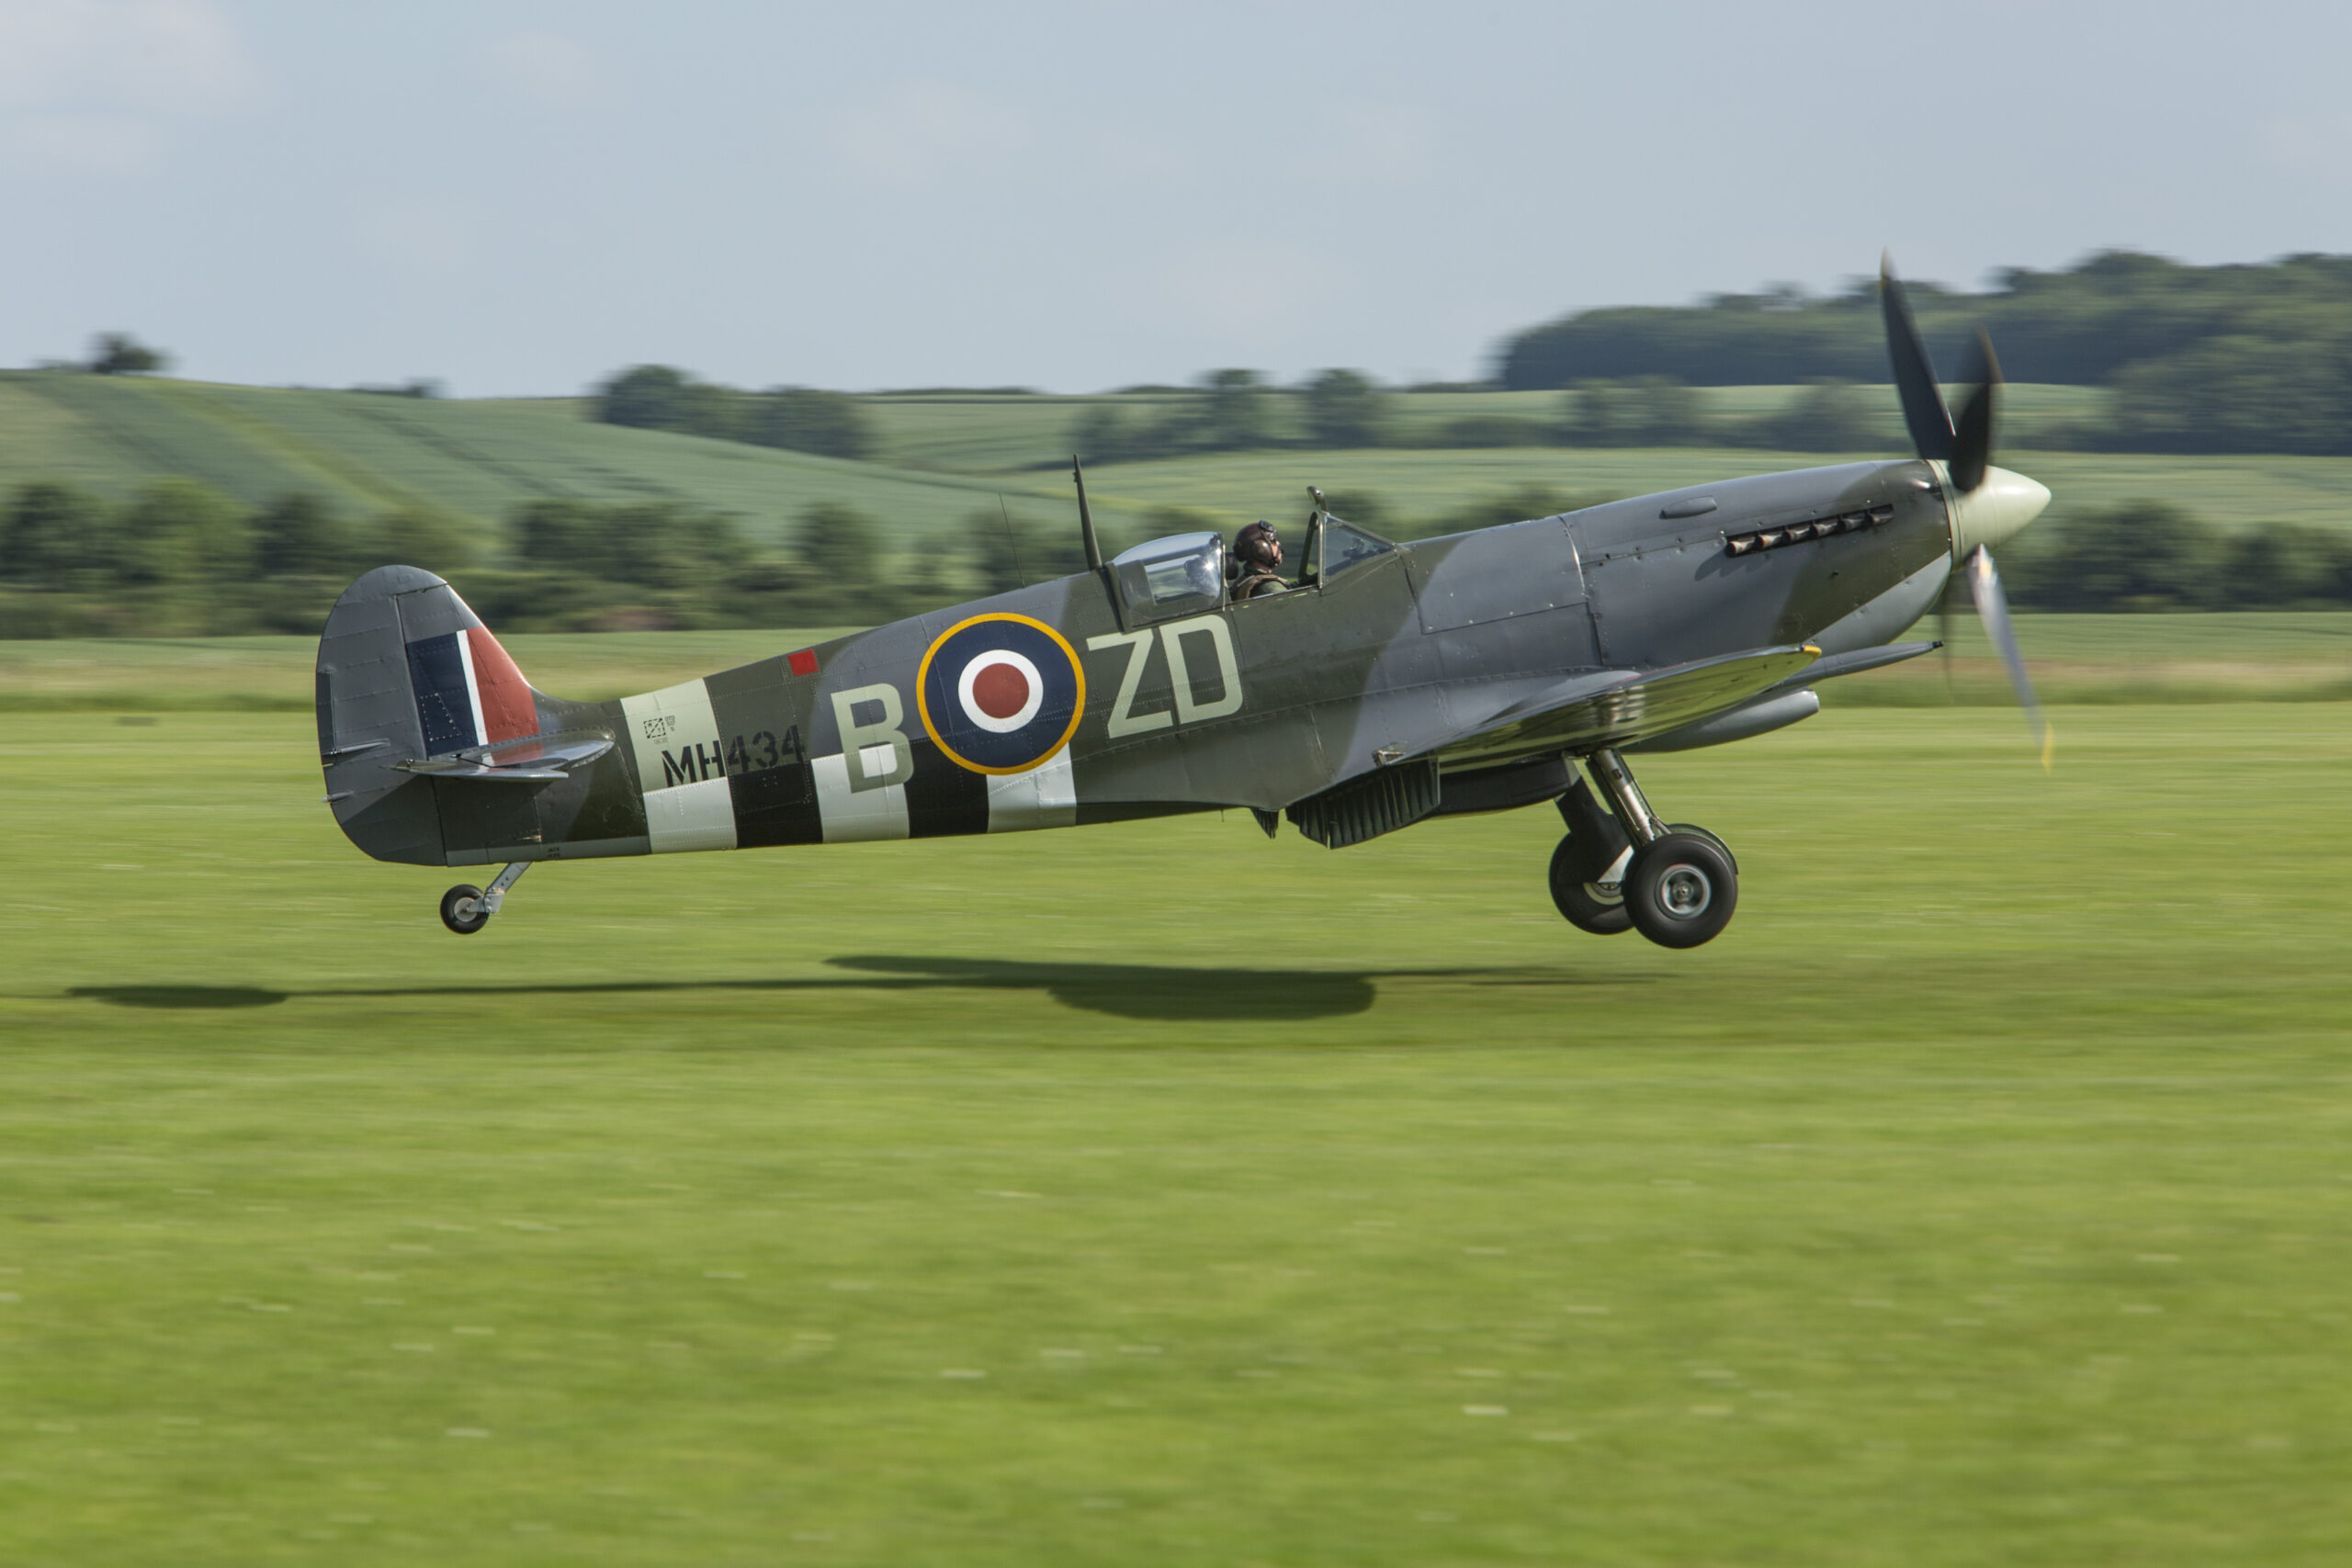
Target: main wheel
[[1693, 828], [1681, 890], [461, 909], [1586, 906]]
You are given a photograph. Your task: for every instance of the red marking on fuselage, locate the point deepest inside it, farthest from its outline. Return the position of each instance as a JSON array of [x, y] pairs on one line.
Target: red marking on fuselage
[[803, 662], [1000, 690], [508, 711]]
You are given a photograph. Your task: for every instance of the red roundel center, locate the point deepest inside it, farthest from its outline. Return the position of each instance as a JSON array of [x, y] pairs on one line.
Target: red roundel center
[[1000, 691]]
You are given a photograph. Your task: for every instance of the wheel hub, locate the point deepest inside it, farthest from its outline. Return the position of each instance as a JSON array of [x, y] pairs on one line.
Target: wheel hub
[[1685, 891]]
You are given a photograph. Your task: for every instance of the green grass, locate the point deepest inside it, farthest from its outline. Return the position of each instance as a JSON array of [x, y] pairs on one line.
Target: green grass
[[2235, 656], [2295, 656], [1981, 1196]]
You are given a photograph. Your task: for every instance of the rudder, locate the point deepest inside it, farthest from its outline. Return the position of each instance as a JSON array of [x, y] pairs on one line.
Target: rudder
[[407, 671]]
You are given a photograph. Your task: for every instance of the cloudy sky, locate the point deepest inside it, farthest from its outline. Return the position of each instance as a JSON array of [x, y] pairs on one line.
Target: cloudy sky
[[519, 197]]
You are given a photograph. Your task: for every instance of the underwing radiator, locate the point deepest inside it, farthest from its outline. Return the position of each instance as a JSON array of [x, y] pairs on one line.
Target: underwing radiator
[[1378, 802]]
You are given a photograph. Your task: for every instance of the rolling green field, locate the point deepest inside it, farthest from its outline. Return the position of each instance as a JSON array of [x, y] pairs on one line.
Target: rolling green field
[[983, 432], [944, 458], [2292, 656], [1159, 1195], [369, 454]]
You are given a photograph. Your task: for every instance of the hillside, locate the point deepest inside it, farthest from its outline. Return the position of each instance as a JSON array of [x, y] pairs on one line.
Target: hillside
[[368, 454], [945, 471], [994, 432], [942, 457]]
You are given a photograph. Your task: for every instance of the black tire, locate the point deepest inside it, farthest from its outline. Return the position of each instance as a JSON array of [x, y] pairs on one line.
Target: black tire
[[1701, 832], [464, 925], [1586, 910], [1681, 890]]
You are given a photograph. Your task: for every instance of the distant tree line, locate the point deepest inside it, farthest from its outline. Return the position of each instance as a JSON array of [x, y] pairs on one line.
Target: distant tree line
[[1237, 411], [1345, 410], [1232, 411], [2151, 554], [114, 354], [1369, 509], [2239, 358], [179, 558], [798, 419], [120, 354], [2273, 375]]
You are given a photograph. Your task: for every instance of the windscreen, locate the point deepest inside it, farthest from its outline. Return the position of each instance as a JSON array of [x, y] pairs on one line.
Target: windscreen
[[1345, 544]]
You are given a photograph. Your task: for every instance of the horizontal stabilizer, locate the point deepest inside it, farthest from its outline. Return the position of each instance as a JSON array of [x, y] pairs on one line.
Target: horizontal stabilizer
[[536, 759], [451, 768]]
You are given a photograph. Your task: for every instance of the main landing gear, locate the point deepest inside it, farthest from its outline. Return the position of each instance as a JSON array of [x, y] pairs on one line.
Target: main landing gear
[[1620, 868], [465, 908]]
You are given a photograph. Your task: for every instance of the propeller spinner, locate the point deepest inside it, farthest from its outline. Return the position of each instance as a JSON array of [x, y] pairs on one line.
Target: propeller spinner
[[1988, 505]]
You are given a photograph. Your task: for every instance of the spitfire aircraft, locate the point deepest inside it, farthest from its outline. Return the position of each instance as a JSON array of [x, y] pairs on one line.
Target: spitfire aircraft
[[1389, 684]]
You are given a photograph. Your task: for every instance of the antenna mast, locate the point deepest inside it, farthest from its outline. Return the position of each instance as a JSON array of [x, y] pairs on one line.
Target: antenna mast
[[1086, 518]]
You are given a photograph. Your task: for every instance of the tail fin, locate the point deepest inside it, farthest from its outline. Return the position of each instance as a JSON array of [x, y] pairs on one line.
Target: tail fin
[[407, 673]]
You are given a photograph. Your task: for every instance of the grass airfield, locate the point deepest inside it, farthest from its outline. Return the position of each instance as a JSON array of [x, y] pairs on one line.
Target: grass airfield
[[1158, 1194]]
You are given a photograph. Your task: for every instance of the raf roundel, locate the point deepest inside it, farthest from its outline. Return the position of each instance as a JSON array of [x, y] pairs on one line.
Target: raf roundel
[[1001, 694]]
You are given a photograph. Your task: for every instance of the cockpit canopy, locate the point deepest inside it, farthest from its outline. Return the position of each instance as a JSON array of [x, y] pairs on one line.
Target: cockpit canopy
[[1177, 575], [1184, 574]]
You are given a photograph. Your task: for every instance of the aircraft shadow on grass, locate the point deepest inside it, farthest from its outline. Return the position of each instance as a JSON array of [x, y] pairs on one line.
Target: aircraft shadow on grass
[[1162, 992]]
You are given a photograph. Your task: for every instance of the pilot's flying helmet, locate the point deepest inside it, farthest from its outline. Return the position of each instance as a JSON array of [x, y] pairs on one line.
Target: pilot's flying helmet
[[1257, 544]]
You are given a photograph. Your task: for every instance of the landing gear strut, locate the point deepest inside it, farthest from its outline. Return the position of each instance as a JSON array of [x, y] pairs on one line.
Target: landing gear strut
[[1588, 868], [465, 908], [1676, 883]]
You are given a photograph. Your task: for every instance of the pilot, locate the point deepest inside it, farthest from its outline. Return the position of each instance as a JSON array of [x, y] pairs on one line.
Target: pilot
[[1257, 561]]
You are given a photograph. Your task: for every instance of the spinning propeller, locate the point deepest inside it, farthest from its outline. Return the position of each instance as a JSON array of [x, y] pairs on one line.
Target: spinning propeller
[[1987, 504]]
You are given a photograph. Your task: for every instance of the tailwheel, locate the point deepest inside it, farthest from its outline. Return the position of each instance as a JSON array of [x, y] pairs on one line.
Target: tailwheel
[[1681, 889], [1590, 906], [462, 909]]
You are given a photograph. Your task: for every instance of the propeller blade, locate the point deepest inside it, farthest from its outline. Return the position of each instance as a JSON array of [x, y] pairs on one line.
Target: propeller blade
[[1945, 602], [1973, 432], [1992, 609], [1914, 379]]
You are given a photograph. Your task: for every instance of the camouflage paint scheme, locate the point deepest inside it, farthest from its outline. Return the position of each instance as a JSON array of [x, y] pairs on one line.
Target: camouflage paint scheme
[[1491, 654]]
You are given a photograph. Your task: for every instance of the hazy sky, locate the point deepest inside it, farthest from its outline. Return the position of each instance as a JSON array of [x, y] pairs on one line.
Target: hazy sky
[[519, 197]]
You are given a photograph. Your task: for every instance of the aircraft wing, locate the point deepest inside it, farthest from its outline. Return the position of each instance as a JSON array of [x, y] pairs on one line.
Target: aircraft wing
[[1617, 707], [1859, 659]]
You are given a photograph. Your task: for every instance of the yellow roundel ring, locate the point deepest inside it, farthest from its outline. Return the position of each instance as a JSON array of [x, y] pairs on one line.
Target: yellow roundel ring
[[1000, 693]]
